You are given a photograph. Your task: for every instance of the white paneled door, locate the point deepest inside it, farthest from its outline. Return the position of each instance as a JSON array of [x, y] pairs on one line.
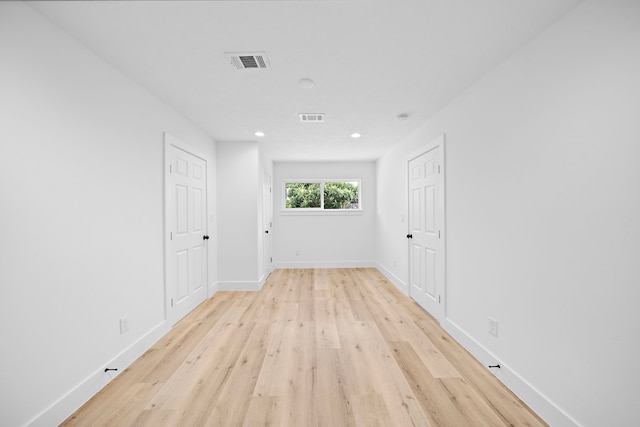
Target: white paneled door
[[426, 229], [187, 232], [267, 220]]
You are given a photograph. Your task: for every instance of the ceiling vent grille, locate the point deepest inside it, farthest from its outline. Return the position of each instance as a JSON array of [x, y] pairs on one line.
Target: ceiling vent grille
[[311, 117], [248, 61]]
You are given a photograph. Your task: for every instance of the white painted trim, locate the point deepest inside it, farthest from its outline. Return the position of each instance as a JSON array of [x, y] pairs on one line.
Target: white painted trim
[[70, 402], [325, 264], [393, 279], [267, 208], [184, 146], [530, 395], [213, 288], [319, 211], [239, 286]]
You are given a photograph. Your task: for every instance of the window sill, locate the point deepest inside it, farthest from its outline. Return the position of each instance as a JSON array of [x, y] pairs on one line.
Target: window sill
[[321, 212]]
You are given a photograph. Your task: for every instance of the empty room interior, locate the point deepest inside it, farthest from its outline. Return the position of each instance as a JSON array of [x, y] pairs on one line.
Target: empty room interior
[[320, 213]]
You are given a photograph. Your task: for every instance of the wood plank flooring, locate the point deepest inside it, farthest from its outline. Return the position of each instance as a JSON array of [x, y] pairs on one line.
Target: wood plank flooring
[[314, 347]]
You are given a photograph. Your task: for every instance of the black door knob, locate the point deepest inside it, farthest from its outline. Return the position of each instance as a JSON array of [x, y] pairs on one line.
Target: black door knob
[[266, 231], [409, 236], [205, 237]]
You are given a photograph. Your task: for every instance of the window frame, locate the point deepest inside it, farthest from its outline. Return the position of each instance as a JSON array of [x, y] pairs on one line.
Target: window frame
[[321, 210]]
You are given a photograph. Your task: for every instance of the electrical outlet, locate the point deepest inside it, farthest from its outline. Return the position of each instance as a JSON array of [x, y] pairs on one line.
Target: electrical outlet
[[124, 324], [493, 326]]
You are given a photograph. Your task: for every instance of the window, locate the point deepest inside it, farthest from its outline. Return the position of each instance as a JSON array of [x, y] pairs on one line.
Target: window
[[322, 195], [301, 195]]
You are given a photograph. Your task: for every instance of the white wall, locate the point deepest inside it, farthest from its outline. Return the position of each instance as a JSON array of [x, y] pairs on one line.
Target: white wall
[[81, 218], [325, 240], [543, 208], [239, 215]]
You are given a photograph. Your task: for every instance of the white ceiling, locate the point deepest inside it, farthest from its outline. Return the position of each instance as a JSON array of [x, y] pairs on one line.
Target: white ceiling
[[371, 60]]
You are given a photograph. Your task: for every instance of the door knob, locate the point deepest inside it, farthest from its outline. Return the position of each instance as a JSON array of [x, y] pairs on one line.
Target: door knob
[[266, 231], [409, 236], [205, 237]]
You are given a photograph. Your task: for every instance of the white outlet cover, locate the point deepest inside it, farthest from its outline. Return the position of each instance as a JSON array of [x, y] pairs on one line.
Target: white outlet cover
[[493, 326], [124, 324]]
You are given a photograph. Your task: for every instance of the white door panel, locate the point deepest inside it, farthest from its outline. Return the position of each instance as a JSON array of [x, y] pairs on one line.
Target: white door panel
[[181, 275], [426, 225], [267, 219], [186, 219]]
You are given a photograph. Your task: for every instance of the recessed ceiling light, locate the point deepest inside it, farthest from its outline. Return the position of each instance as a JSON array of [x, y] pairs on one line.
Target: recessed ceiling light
[[402, 117], [355, 135], [261, 134], [306, 83]]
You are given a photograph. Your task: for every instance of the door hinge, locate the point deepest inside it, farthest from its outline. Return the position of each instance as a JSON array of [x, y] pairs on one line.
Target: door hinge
[[171, 302], [438, 234], [270, 259], [171, 235], [438, 168], [438, 299], [170, 170]]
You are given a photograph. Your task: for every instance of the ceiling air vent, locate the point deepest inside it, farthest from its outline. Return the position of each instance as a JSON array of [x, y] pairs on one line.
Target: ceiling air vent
[[248, 61], [312, 117]]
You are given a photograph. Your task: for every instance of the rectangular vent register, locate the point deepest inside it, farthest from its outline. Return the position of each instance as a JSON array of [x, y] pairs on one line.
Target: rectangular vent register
[[311, 117], [248, 61]]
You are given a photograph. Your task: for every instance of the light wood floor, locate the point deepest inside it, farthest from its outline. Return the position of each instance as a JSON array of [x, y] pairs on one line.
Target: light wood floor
[[324, 347]]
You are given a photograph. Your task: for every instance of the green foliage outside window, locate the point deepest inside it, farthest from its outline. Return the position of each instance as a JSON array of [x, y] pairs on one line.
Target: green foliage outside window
[[340, 195], [303, 195], [337, 195]]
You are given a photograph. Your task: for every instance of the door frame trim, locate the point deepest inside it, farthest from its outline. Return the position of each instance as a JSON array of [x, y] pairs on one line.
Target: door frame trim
[[169, 141], [267, 243], [437, 141]]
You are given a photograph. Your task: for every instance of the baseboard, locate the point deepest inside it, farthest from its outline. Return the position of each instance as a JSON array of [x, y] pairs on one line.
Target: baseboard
[[535, 399], [212, 289], [324, 264], [79, 395], [393, 279], [241, 286], [74, 399]]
